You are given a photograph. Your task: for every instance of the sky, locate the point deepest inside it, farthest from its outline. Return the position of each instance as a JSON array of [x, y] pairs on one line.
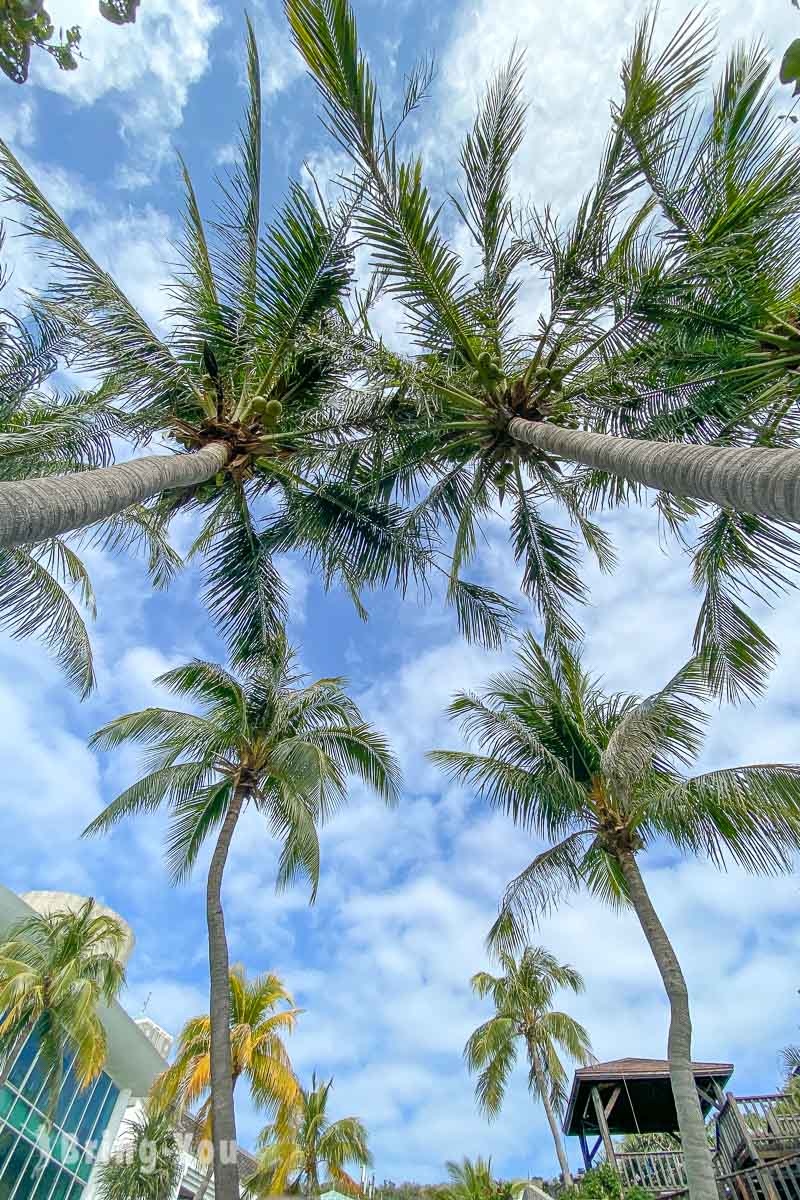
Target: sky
[[381, 964]]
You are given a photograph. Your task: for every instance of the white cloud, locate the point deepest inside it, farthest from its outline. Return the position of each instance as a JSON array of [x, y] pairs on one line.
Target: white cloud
[[145, 69]]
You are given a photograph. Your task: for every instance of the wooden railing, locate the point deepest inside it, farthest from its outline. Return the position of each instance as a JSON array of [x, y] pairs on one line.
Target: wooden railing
[[659, 1171]]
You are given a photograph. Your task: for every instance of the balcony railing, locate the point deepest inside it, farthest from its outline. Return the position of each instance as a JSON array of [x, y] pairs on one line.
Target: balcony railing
[[752, 1127], [659, 1171]]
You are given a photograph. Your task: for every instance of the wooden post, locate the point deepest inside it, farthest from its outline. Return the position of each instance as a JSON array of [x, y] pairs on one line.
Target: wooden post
[[587, 1161], [600, 1113]]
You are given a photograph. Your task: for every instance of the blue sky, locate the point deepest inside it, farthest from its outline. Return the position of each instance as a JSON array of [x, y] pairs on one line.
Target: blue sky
[[381, 964]]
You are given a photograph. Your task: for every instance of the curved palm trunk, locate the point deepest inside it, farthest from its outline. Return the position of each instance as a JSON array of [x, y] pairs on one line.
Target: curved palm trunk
[[34, 509], [696, 1152], [763, 482], [223, 1116], [552, 1120]]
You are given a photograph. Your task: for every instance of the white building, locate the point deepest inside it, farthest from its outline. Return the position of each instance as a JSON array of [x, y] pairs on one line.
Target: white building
[[41, 1161]]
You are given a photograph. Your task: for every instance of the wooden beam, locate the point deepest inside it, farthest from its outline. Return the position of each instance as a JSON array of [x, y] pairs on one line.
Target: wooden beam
[[712, 1100], [594, 1149], [603, 1126], [612, 1101]]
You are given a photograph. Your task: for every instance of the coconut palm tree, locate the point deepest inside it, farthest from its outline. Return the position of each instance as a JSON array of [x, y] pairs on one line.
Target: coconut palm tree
[[267, 741], [257, 1027], [235, 391], [523, 999], [303, 1142], [601, 776], [42, 433], [147, 1163], [647, 369], [469, 1180], [56, 969]]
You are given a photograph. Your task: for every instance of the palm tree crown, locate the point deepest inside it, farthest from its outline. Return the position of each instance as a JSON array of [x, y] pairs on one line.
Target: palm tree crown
[[267, 739], [237, 376], [261, 1014], [680, 250], [147, 1165], [469, 1179], [602, 777], [523, 999], [303, 1142], [55, 970]]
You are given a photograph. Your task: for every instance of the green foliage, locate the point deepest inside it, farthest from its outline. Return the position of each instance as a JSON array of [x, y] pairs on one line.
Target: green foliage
[[667, 293], [55, 971], [45, 590], [790, 66], [261, 1014], [603, 1183], [473, 1180], [302, 1146], [523, 999], [26, 23], [265, 738], [148, 1163], [602, 776]]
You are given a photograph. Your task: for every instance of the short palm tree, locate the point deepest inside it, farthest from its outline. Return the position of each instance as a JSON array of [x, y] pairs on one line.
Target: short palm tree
[[523, 999], [647, 367], [147, 1164], [44, 433], [56, 969], [261, 1013], [302, 1143], [234, 390], [469, 1180], [269, 741], [601, 777]]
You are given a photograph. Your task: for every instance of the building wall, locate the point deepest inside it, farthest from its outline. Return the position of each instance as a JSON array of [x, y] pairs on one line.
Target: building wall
[[41, 1161]]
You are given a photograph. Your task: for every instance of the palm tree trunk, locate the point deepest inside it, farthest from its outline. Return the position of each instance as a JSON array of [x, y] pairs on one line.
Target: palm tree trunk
[[223, 1116], [552, 1121], [19, 1042], [696, 1152], [34, 509], [759, 481]]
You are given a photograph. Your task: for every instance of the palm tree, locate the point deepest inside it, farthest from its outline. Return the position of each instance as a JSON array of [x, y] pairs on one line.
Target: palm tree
[[147, 1166], [523, 998], [44, 433], [600, 775], [269, 741], [668, 357], [56, 969], [257, 1026], [235, 390], [469, 1180], [302, 1142]]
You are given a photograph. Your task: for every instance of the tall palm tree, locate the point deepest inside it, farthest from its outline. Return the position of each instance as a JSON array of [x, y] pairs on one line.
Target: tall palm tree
[[469, 1180], [523, 999], [257, 1028], [302, 1143], [235, 391], [44, 433], [55, 971], [269, 741], [147, 1165], [669, 355], [600, 775]]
